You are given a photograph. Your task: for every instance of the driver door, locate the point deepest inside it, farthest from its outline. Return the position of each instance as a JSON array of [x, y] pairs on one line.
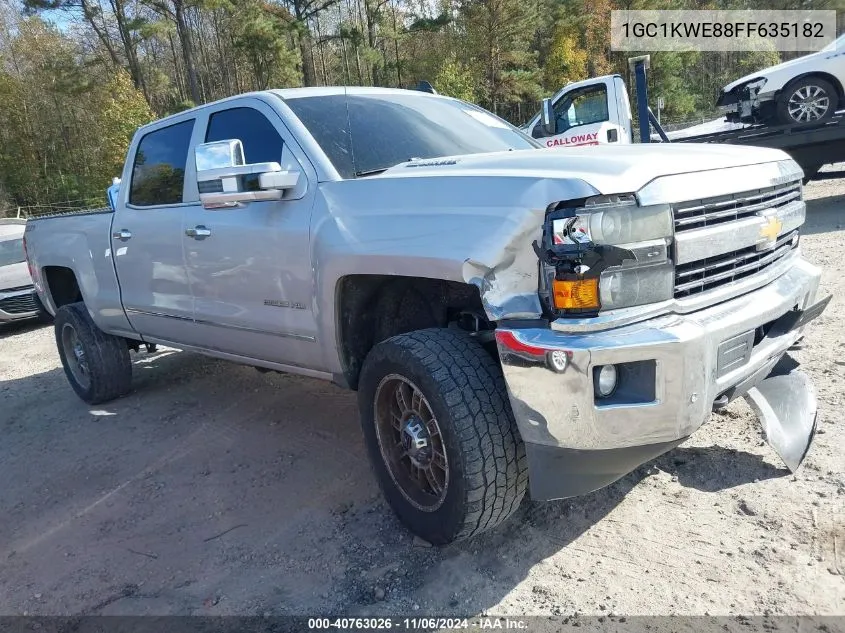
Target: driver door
[[249, 265]]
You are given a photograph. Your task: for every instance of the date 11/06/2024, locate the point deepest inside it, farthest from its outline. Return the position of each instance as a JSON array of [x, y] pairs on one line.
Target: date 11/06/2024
[[481, 623]]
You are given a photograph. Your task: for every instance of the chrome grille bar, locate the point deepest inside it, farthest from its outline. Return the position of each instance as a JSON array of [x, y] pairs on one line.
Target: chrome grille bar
[[717, 239], [736, 207], [731, 259], [18, 304]]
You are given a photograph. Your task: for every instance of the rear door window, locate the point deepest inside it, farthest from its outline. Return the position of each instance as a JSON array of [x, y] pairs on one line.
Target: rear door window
[[158, 172]]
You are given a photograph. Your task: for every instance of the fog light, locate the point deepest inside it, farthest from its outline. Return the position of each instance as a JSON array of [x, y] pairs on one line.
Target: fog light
[[606, 382]]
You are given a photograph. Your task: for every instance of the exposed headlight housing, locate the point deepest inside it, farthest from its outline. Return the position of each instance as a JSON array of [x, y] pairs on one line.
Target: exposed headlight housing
[[614, 220], [755, 85], [615, 241]]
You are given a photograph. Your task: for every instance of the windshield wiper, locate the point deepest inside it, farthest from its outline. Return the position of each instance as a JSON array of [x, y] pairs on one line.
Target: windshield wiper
[[370, 172]]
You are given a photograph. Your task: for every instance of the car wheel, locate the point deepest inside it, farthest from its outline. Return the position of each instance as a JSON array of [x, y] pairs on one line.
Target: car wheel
[[440, 434], [806, 101], [96, 364]]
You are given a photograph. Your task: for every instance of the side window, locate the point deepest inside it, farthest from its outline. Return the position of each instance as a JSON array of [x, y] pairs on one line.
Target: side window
[[262, 143], [158, 172], [582, 107]]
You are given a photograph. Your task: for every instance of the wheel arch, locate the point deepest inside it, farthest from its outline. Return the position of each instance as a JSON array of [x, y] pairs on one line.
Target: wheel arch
[[820, 74], [373, 308], [61, 286]]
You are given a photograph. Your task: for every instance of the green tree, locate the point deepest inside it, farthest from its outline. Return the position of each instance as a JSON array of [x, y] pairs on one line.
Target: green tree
[[455, 80], [567, 60], [499, 33]]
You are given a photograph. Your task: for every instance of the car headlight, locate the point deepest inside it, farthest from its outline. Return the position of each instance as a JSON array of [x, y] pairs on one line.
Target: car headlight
[[643, 234], [614, 220], [755, 85], [637, 285]]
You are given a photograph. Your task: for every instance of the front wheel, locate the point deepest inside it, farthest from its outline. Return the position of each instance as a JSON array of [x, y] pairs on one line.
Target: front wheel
[[96, 364], [807, 100], [441, 435]]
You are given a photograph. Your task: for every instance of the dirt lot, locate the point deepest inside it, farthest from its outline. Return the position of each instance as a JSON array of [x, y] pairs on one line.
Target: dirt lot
[[214, 489]]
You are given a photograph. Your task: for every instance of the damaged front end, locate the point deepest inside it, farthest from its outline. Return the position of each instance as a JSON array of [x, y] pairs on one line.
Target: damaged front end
[[619, 369]]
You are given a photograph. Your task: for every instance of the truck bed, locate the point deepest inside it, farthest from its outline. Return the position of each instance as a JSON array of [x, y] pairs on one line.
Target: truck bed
[[78, 212]]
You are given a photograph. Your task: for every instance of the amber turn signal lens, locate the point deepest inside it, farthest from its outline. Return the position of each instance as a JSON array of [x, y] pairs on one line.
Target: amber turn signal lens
[[579, 294]]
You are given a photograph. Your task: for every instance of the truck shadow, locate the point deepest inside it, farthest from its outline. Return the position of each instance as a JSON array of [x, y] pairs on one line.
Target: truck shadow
[[202, 447], [824, 215], [21, 327], [715, 468]]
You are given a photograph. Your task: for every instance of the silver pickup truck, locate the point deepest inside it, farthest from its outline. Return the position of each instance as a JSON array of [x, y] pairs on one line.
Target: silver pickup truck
[[509, 317]]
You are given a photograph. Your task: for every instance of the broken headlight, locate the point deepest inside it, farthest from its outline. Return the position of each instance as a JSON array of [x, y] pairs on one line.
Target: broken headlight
[[611, 240]]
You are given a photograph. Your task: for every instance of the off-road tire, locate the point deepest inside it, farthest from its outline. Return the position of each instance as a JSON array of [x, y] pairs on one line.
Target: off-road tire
[[108, 363], [782, 110], [466, 392]]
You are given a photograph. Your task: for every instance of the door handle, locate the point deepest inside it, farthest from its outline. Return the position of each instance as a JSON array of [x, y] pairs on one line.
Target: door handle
[[121, 235], [198, 232]]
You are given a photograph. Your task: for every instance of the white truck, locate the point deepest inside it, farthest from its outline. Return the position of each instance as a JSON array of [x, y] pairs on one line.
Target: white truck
[[508, 316], [597, 111]]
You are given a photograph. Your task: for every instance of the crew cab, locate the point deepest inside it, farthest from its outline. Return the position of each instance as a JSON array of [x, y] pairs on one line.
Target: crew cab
[[510, 317]]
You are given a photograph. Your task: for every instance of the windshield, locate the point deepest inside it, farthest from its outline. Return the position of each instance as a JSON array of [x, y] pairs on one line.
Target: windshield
[[365, 134], [11, 252]]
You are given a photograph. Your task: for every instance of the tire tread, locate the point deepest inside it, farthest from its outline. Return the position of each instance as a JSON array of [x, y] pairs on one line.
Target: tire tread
[[473, 387], [108, 356]]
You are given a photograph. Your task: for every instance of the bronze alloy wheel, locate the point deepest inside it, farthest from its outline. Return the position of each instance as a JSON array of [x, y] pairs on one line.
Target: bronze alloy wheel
[[411, 443], [77, 362]]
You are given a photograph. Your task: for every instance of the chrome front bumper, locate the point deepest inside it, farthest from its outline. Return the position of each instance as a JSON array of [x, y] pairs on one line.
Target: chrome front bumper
[[677, 366]]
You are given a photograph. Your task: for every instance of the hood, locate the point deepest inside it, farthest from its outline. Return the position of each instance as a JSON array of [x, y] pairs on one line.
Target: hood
[[608, 168], [766, 72], [14, 276]]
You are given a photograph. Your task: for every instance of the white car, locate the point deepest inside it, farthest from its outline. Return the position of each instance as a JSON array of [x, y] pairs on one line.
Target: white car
[[18, 300], [802, 90]]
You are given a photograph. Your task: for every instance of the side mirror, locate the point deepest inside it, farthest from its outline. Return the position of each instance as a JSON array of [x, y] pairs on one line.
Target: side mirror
[[547, 117], [225, 180]]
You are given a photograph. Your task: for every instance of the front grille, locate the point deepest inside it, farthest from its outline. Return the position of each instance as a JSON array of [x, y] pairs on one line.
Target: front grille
[[700, 213], [20, 304], [712, 272], [16, 289]]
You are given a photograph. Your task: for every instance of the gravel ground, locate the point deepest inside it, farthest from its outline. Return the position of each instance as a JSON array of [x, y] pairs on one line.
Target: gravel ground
[[215, 489]]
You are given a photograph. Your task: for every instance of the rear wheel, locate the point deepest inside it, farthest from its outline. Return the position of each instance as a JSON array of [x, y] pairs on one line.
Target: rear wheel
[[96, 364], [807, 100], [440, 434]]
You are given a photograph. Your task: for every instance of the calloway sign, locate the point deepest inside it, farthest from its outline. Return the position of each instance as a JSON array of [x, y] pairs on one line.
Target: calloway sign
[[577, 139]]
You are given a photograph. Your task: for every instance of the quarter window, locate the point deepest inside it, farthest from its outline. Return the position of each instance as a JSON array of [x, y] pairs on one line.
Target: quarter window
[[158, 172], [261, 142]]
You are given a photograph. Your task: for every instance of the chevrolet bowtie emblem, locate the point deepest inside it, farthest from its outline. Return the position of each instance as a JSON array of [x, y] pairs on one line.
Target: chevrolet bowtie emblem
[[769, 232]]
